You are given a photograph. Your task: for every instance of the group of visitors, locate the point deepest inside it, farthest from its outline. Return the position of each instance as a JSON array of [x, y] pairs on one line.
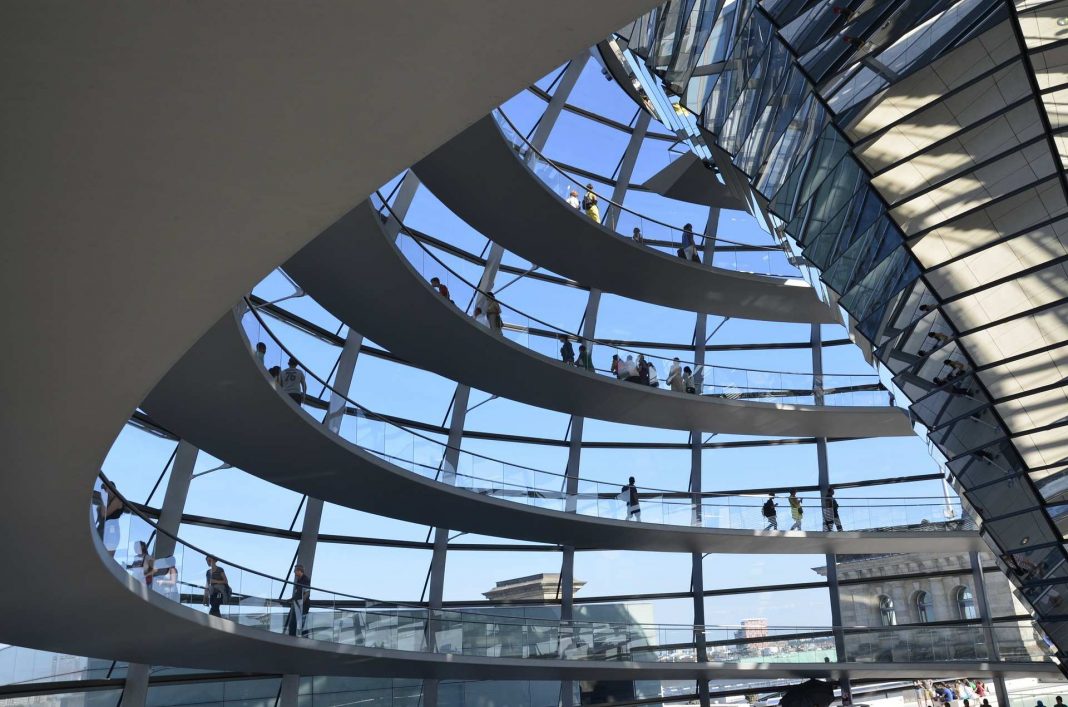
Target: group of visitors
[[948, 692], [217, 591], [488, 316], [642, 372], [588, 205], [567, 354], [161, 574], [828, 505], [290, 380]]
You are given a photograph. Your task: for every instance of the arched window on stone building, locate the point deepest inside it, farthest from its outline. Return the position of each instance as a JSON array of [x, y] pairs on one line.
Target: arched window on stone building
[[966, 604], [887, 615], [921, 602]]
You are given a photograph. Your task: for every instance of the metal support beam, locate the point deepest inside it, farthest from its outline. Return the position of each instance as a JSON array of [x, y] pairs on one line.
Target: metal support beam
[[558, 100], [402, 202], [697, 572], [313, 507], [571, 479], [982, 602], [346, 368], [288, 691], [441, 535], [170, 515], [460, 404], [830, 560], [135, 690], [711, 232], [489, 274], [626, 169]]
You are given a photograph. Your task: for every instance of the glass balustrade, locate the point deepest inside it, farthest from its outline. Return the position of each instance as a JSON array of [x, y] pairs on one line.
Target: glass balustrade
[[274, 605], [745, 384], [537, 488], [656, 234]]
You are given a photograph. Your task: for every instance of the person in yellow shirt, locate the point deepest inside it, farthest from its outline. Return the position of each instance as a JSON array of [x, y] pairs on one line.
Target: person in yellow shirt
[[796, 511]]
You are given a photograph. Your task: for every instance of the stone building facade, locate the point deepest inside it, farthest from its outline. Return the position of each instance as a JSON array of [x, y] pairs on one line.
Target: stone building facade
[[920, 606]]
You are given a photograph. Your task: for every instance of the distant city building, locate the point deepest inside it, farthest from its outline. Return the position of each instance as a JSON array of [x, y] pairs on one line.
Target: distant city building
[[934, 593], [754, 628], [544, 587]]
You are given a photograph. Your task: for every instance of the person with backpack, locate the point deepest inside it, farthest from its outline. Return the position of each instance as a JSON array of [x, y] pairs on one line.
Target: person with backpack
[[589, 204], [796, 511], [771, 514], [830, 512]]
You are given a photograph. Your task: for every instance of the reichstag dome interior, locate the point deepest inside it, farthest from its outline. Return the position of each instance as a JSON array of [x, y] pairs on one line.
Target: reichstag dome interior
[[615, 352]]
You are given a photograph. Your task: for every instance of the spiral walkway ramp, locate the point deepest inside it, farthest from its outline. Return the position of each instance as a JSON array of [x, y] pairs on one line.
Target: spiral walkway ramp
[[163, 161]]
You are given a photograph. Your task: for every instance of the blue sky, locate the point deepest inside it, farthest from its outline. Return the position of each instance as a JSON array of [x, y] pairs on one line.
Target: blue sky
[[137, 458]]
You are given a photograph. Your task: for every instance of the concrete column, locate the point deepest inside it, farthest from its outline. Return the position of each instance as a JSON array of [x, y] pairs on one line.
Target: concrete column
[[571, 479], [830, 560], [626, 168], [697, 573], [558, 100]]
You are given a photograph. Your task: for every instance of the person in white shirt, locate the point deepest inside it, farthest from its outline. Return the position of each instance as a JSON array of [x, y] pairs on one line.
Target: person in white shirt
[[481, 317], [573, 200], [293, 382], [674, 379], [654, 380]]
